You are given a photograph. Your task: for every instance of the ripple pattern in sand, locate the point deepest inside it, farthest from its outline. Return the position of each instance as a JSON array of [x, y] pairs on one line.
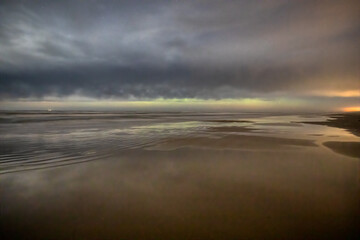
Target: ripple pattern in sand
[[53, 148]]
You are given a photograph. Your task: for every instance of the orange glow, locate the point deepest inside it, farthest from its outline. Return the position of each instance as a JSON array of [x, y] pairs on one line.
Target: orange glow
[[350, 93], [351, 109]]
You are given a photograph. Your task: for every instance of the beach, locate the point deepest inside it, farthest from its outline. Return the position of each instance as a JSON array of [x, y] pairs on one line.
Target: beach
[[179, 175]]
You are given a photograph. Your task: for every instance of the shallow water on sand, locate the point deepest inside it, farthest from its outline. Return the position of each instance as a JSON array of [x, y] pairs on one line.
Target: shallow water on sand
[[102, 175]]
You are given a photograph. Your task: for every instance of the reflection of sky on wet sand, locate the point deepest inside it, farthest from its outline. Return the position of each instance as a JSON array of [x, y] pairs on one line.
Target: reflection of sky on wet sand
[[136, 191], [188, 194]]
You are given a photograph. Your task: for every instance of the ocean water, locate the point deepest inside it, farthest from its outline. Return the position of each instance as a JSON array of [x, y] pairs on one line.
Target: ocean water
[[176, 175]]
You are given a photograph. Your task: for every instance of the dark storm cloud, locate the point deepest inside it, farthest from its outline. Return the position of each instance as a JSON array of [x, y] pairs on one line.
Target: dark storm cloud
[[203, 49]]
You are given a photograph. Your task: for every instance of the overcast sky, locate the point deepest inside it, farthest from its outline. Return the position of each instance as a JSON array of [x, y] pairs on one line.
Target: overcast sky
[[208, 50]]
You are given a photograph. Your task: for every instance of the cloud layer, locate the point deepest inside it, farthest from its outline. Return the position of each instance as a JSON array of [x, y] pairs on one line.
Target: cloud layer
[[177, 49]]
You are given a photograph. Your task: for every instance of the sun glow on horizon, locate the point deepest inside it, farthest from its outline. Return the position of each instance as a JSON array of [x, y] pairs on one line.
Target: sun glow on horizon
[[344, 94], [351, 109]]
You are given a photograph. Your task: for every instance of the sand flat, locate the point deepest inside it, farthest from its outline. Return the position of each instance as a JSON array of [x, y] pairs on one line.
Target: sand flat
[[351, 149], [231, 129], [348, 121], [187, 194], [177, 177], [234, 142]]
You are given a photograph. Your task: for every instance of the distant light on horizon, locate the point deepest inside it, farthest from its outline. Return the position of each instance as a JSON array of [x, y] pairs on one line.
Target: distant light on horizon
[[352, 109], [344, 94]]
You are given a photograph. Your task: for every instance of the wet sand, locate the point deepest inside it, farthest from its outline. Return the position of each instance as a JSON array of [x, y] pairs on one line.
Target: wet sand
[[348, 121], [228, 121], [187, 194], [187, 178], [290, 124], [235, 142], [351, 149], [231, 129]]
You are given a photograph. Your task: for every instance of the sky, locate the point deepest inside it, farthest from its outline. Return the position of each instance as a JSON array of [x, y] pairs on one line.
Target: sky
[[181, 55]]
